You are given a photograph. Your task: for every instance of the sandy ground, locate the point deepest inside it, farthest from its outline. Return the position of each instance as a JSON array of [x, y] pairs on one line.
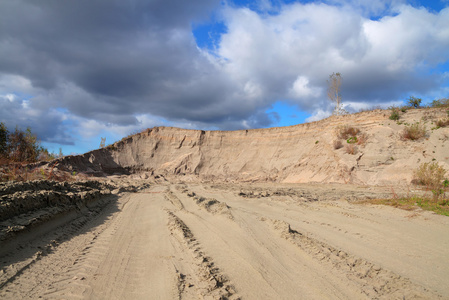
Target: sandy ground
[[265, 241]]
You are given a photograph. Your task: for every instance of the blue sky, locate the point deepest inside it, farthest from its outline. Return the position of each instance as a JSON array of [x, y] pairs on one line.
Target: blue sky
[[81, 70]]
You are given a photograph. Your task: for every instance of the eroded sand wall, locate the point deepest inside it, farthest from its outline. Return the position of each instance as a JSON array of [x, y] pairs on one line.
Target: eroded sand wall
[[301, 153]]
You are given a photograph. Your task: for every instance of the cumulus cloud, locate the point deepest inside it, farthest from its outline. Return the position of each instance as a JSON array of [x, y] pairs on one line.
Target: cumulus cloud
[[291, 53], [83, 67]]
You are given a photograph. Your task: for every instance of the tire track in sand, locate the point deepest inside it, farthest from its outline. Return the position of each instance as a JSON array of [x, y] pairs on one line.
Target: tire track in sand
[[374, 281], [211, 205], [207, 279], [51, 263]]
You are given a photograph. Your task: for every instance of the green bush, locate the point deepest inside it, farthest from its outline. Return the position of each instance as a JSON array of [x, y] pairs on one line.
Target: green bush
[[352, 140], [414, 102], [394, 114]]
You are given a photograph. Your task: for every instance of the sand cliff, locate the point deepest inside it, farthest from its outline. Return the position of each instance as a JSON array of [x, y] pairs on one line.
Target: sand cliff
[[295, 154]]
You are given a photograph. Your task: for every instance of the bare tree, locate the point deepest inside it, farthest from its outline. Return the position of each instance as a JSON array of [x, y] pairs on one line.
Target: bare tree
[[103, 142], [333, 92]]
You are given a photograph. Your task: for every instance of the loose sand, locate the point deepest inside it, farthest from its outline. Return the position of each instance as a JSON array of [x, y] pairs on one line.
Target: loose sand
[[251, 214], [222, 241]]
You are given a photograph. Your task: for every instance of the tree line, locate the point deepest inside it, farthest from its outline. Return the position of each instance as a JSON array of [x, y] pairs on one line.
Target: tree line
[[22, 146]]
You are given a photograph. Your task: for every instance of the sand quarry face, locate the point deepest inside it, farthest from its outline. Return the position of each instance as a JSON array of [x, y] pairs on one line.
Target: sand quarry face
[[297, 154], [259, 214]]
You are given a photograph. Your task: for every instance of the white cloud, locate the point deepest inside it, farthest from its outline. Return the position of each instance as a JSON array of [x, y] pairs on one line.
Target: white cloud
[[10, 97], [413, 37], [318, 115], [10, 82], [301, 88], [291, 54]]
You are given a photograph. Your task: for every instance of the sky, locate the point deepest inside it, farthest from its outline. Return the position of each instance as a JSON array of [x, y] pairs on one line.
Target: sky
[[77, 71]]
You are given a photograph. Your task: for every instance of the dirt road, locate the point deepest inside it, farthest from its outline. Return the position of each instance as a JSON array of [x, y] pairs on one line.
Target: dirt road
[[230, 242]]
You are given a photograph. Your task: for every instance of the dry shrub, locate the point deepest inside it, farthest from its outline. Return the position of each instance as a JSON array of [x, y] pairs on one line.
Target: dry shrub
[[13, 171], [351, 149], [429, 174], [413, 132], [444, 102], [442, 123], [362, 139], [346, 131], [338, 144], [429, 115]]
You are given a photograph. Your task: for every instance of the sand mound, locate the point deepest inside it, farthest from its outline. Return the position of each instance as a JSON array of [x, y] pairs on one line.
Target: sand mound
[[296, 154]]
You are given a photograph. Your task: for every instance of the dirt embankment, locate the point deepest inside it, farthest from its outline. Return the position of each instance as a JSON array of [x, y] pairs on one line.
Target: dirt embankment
[[27, 204], [296, 154]]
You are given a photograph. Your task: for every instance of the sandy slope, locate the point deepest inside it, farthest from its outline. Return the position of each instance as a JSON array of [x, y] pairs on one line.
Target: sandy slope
[[234, 241], [302, 153]]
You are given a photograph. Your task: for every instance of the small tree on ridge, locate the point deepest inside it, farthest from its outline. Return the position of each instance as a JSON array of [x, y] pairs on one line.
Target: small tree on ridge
[[333, 92]]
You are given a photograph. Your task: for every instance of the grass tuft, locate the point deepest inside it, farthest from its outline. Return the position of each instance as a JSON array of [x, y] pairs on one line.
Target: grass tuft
[[413, 132], [442, 123], [430, 175], [394, 114], [412, 203]]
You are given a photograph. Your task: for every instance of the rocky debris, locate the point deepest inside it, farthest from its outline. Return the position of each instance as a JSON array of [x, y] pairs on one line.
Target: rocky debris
[[11, 187], [314, 192], [301, 196], [261, 194]]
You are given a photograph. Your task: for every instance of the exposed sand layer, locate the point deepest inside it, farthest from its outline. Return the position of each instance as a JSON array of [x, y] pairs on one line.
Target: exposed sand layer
[[222, 241], [297, 154]]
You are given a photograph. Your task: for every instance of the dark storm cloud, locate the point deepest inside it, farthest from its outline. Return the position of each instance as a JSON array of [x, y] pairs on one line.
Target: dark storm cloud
[[110, 60], [116, 63], [49, 127]]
